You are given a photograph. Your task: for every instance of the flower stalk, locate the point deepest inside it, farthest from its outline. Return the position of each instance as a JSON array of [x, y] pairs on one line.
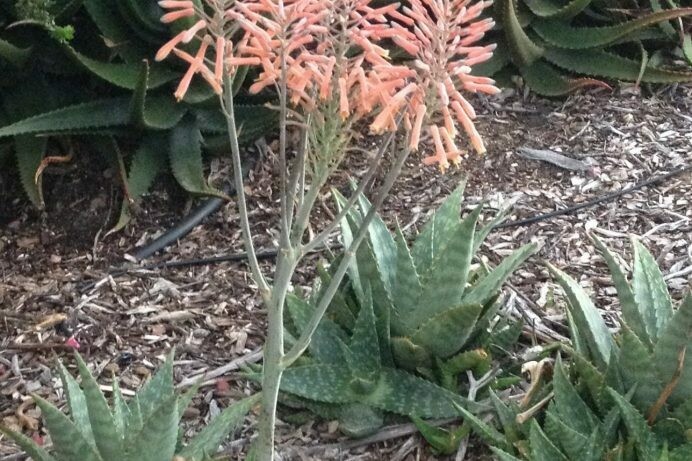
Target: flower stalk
[[327, 63]]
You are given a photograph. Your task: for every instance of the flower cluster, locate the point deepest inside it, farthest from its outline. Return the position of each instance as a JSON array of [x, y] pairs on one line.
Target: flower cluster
[[440, 36], [334, 51]]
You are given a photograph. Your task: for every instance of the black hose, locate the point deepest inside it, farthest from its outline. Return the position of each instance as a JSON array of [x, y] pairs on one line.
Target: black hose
[[191, 221]]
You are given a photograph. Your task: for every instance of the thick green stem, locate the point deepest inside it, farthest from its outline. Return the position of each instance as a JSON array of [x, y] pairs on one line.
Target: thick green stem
[[304, 341], [272, 368]]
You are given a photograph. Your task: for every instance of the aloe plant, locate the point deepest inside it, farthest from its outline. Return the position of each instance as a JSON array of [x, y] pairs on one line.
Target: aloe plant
[[586, 38], [436, 305], [370, 355], [626, 395], [102, 87], [145, 429]]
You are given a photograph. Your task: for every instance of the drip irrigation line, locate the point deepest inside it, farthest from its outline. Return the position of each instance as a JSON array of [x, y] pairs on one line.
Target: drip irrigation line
[[600, 199], [210, 206], [191, 221]]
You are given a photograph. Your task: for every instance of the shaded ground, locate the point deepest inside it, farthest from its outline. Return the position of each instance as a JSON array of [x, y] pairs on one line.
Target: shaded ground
[[126, 322]]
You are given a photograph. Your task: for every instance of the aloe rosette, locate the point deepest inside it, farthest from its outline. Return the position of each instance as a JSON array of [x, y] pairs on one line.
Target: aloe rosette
[[147, 428]]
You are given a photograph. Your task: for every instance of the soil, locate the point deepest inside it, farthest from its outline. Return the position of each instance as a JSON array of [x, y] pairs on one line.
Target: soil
[[54, 280]]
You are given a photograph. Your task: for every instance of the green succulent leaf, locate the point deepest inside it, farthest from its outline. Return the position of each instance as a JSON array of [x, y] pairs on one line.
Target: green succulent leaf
[[364, 344], [91, 115], [490, 285], [485, 431], [123, 75], [523, 50], [357, 420], [328, 342], [116, 33], [636, 426], [542, 448], [545, 80], [586, 318], [440, 228], [443, 441], [569, 406], [319, 382], [209, 438], [403, 393], [407, 286], [638, 369], [120, 410], [186, 158], [156, 438], [562, 35], [159, 387], [410, 356], [675, 337], [556, 10], [13, 54], [382, 243], [447, 332], [76, 402], [650, 291], [105, 433], [634, 318], [604, 64], [68, 441], [443, 286], [562, 432], [30, 151], [503, 455], [29, 446]]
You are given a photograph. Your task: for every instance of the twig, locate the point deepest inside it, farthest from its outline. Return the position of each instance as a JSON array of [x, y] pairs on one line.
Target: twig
[[252, 357], [387, 433]]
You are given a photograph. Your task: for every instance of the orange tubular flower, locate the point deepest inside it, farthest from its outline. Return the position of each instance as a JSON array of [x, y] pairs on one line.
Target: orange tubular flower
[[310, 44], [440, 34]]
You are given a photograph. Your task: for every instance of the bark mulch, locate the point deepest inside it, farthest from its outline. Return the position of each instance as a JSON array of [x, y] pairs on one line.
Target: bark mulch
[[54, 280]]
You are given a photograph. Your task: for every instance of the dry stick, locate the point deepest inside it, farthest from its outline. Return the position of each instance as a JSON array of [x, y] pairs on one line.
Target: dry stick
[[252, 357], [387, 433]]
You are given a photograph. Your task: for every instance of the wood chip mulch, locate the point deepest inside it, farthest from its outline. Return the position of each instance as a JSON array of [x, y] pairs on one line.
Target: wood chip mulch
[[54, 281]]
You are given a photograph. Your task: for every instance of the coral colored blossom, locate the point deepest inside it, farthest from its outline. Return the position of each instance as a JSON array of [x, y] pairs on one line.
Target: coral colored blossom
[[326, 51]]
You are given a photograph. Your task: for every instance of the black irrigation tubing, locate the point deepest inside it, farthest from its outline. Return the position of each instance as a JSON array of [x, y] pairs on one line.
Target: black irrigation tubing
[[190, 221], [268, 254]]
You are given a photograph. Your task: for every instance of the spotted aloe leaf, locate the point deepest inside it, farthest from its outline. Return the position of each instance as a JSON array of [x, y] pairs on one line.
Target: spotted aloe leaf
[[439, 228], [554, 10], [564, 36], [638, 369], [444, 283], [631, 312], [328, 342], [587, 319], [446, 333], [186, 158], [148, 161], [674, 343], [650, 291]]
